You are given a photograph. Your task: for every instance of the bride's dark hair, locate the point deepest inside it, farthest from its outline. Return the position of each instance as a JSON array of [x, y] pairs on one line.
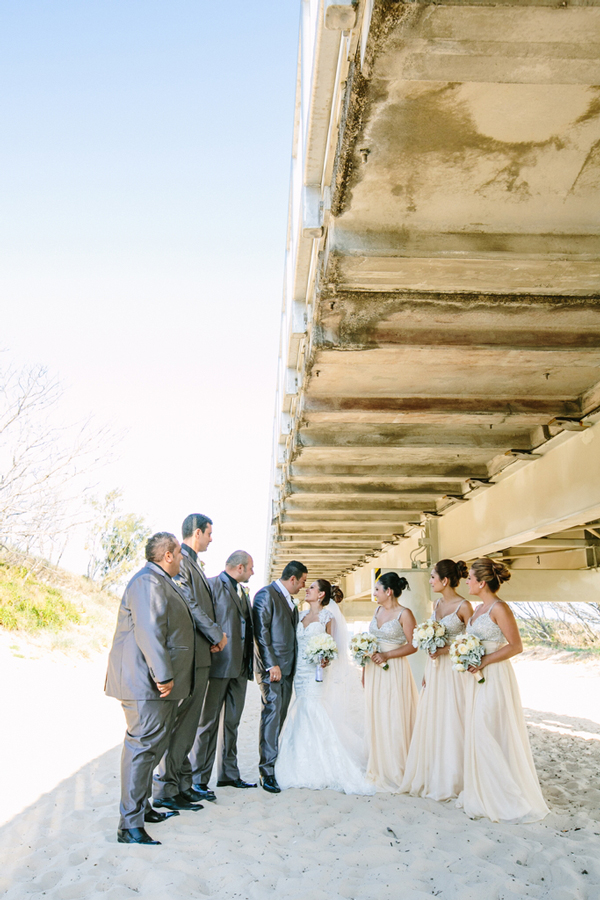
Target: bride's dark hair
[[331, 591]]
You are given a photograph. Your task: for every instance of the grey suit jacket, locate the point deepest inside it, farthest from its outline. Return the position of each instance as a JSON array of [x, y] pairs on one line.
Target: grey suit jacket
[[274, 631], [200, 602], [235, 618], [154, 639]]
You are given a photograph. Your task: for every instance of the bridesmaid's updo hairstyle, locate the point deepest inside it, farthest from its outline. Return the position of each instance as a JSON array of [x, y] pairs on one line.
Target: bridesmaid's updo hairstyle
[[394, 581], [492, 571], [453, 571]]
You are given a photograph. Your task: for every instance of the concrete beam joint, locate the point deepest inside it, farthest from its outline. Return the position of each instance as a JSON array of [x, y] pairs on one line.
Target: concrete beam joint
[[291, 381], [312, 221], [339, 16]]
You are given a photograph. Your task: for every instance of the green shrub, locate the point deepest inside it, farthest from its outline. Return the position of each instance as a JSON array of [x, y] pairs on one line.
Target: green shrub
[[28, 605]]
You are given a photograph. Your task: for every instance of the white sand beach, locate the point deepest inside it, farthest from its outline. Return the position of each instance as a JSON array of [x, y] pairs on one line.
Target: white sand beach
[[60, 785]]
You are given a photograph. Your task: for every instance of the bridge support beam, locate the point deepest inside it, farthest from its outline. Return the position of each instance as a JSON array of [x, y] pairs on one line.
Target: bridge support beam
[[558, 491]]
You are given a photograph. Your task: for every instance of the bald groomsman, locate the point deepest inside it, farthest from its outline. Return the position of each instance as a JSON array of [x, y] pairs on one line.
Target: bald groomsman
[[173, 781], [230, 672], [150, 668]]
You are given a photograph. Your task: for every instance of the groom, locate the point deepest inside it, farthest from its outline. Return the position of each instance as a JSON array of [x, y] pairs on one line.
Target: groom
[[275, 620]]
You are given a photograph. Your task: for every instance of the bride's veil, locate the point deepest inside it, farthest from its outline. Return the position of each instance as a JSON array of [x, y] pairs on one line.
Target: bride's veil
[[344, 695]]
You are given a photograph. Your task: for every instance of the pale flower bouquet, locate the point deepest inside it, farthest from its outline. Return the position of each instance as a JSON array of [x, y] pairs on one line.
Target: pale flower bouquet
[[467, 650], [319, 649], [362, 648], [430, 636]]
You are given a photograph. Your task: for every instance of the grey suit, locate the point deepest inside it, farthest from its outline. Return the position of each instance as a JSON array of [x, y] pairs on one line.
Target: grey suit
[[275, 645], [153, 642], [230, 671], [174, 772]]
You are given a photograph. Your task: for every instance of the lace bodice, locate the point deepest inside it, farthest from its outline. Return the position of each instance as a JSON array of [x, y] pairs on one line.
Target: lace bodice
[[304, 679], [485, 629], [391, 632], [313, 628], [453, 623]]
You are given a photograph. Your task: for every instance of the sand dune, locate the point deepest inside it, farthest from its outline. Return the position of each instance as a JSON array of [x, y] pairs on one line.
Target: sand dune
[[301, 844]]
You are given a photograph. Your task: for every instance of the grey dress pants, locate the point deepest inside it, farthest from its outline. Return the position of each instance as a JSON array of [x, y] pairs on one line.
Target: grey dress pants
[[275, 699], [174, 771], [149, 725], [221, 713]]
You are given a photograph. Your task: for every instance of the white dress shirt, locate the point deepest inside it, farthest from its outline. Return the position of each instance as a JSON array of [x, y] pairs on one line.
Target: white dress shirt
[[286, 594]]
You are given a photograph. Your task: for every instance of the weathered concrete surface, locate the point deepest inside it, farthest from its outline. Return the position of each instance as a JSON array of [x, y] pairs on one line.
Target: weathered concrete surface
[[441, 321]]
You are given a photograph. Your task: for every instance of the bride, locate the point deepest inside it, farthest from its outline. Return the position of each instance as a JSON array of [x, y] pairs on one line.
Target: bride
[[320, 747]]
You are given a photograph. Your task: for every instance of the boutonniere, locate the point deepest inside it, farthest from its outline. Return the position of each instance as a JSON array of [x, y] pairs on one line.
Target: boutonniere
[[296, 601]]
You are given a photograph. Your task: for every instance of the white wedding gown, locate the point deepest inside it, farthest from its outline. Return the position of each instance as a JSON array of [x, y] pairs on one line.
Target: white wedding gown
[[315, 750]]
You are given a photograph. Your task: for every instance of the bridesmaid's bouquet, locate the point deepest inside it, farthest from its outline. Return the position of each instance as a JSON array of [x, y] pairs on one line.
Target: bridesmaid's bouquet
[[430, 636], [362, 648], [467, 650], [319, 649]]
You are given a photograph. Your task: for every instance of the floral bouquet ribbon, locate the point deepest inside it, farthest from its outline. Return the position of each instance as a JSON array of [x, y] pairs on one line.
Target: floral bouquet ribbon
[[362, 648], [467, 650], [430, 636], [319, 649]]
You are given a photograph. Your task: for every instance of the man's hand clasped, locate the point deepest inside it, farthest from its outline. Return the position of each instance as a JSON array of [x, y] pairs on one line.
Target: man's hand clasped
[[218, 647], [275, 673], [165, 687]]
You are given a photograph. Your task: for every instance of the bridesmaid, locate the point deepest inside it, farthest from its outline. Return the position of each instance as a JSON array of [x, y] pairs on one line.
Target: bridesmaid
[[390, 695], [434, 768], [500, 778]]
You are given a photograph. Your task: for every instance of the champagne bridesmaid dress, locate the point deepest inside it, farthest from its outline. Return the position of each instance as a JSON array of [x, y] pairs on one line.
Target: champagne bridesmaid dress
[[391, 700], [435, 764], [500, 778]]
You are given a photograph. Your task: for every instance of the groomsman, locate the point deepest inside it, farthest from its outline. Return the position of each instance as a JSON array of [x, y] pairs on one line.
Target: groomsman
[[150, 669], [173, 781], [275, 620], [230, 672]]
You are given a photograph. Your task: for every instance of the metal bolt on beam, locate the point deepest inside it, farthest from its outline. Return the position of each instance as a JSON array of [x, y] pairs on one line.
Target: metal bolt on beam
[[570, 424]]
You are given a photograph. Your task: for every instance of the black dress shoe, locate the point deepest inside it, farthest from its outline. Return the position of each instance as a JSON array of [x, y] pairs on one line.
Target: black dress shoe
[[153, 815], [192, 795], [177, 802], [268, 783], [238, 783], [204, 792], [134, 836]]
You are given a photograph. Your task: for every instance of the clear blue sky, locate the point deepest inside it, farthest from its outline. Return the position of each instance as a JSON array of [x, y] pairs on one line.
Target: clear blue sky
[[144, 168]]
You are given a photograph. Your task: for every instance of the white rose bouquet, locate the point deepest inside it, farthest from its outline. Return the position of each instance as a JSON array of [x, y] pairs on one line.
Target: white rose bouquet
[[362, 648], [467, 650], [319, 649], [430, 636]]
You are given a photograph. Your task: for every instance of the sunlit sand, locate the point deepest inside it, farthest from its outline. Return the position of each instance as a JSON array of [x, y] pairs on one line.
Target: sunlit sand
[[60, 797]]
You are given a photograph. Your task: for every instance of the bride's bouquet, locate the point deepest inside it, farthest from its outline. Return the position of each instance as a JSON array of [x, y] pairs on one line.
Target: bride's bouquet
[[362, 648], [319, 649], [430, 636], [467, 650]]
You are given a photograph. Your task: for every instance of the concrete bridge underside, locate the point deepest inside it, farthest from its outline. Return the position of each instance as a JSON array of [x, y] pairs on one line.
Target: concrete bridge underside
[[441, 322]]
